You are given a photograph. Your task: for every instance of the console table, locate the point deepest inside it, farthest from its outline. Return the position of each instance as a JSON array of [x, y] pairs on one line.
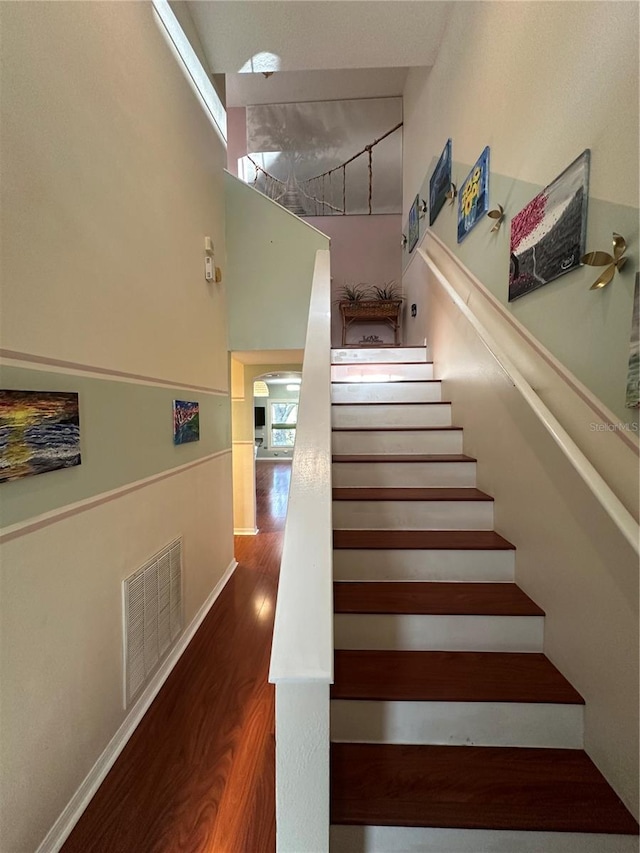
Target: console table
[[371, 311]]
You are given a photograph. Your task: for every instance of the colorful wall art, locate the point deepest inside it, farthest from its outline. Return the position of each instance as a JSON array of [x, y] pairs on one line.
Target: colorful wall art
[[39, 432], [548, 235], [439, 183], [473, 197], [186, 421], [633, 377], [414, 224], [327, 158]]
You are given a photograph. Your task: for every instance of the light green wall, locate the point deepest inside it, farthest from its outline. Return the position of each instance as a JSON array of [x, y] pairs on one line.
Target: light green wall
[[539, 82], [270, 260], [588, 331], [126, 434]]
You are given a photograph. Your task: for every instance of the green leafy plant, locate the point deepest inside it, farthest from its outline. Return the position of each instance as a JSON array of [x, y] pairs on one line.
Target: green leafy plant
[[388, 292], [353, 292]]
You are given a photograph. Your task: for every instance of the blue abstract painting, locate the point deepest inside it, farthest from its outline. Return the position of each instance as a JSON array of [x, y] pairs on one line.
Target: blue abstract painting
[[473, 199], [186, 421], [439, 183], [39, 432]]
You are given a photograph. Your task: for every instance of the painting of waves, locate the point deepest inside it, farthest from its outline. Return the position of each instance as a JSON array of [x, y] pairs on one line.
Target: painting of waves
[[39, 432], [186, 421]]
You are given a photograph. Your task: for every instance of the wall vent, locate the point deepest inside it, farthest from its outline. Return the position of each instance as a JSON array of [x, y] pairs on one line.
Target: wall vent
[[152, 605]]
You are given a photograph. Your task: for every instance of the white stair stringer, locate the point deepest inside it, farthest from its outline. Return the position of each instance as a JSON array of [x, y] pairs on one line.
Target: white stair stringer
[[381, 372], [411, 839], [386, 392], [413, 515], [378, 355], [438, 565], [477, 633], [391, 414], [458, 723], [396, 441]]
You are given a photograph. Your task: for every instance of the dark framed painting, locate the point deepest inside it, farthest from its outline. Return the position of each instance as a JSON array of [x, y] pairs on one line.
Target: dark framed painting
[[186, 421], [39, 432], [414, 224], [548, 235], [473, 198], [439, 183], [633, 376]]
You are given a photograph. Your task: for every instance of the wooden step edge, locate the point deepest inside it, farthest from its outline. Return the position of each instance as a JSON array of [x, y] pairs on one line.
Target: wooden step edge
[[375, 363], [433, 540], [394, 403], [443, 458], [474, 787], [388, 382], [452, 676], [395, 429], [344, 493]]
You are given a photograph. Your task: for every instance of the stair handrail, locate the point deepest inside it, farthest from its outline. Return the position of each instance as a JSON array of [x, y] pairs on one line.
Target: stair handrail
[[303, 632], [603, 493]]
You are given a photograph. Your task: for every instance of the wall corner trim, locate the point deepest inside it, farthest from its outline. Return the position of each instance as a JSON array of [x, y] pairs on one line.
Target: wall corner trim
[[245, 531], [72, 812]]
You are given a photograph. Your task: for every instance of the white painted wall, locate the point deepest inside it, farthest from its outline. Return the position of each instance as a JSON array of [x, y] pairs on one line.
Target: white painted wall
[[112, 176], [570, 557]]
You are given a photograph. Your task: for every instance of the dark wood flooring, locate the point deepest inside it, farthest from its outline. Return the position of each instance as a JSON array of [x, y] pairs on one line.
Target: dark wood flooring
[[198, 773]]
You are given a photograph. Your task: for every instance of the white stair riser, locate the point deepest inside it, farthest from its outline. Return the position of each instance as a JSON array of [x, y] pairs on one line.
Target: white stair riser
[[413, 515], [458, 723], [433, 565], [404, 474], [379, 355], [381, 372], [386, 392], [438, 633], [410, 839], [397, 441], [391, 414]]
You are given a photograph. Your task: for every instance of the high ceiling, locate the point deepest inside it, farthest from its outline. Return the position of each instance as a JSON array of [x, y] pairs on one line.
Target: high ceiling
[[305, 35], [287, 87]]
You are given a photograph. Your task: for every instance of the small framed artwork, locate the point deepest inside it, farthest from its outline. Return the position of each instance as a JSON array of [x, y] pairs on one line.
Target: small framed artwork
[[548, 235], [414, 224], [473, 199], [39, 432], [633, 376], [186, 421], [439, 183]]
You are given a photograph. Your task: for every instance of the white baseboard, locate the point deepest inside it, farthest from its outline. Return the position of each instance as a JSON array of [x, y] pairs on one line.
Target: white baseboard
[[245, 531], [72, 812]]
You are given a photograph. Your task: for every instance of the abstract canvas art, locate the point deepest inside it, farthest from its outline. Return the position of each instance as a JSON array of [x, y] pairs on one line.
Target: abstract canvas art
[[414, 224], [439, 183], [39, 432], [327, 158], [633, 377], [186, 421], [473, 198], [548, 235]]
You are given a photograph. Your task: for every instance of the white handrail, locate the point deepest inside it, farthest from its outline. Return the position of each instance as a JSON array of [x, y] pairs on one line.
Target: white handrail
[[612, 505], [303, 632]]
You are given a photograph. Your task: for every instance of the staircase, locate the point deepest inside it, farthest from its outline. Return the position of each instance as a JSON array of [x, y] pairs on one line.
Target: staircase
[[451, 731]]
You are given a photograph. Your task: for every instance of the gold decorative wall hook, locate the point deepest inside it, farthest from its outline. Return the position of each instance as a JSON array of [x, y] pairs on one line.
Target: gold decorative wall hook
[[453, 193], [498, 215], [601, 259]]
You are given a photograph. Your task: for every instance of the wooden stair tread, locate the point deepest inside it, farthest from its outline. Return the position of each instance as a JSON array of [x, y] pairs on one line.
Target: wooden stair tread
[[455, 540], [394, 428], [385, 364], [433, 598], [450, 677], [468, 787], [387, 381], [394, 403], [414, 494], [403, 457]]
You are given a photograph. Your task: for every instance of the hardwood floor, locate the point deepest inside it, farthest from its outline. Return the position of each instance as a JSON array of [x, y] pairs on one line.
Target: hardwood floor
[[199, 772]]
